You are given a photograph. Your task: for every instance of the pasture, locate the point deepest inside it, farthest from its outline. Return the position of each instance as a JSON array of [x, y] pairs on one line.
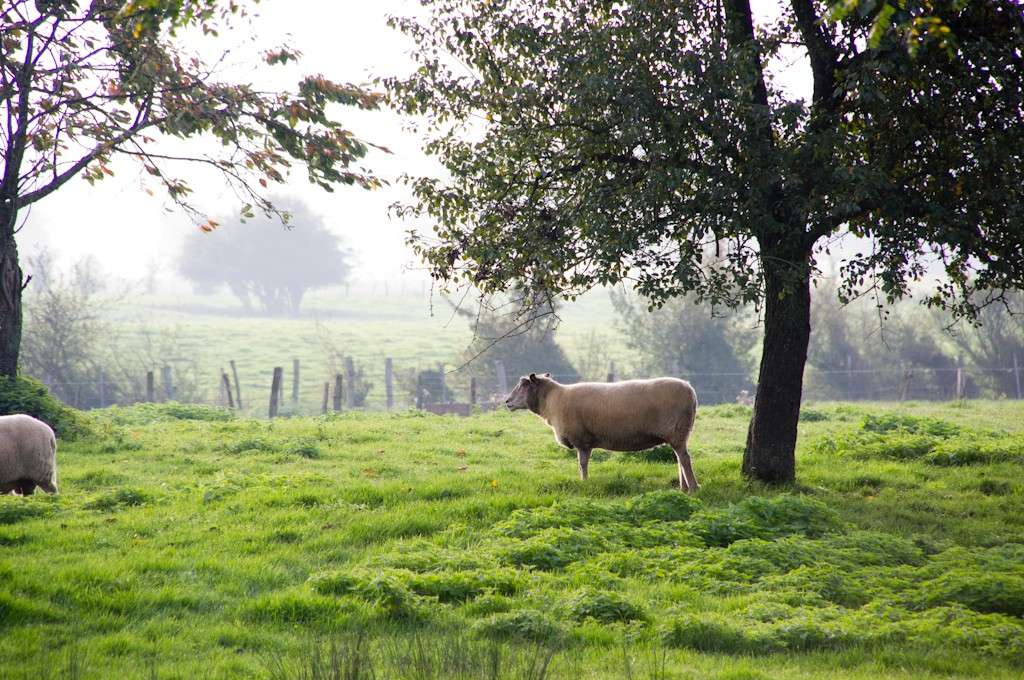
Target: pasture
[[188, 543]]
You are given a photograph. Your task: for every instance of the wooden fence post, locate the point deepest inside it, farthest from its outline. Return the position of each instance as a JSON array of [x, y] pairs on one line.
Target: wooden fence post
[[389, 383], [295, 379], [238, 385], [1016, 374], [350, 375], [150, 387], [502, 378], [959, 378], [226, 383], [441, 382], [102, 390], [849, 376], [338, 391], [472, 391], [907, 376], [611, 372], [327, 395], [168, 384], [275, 389]]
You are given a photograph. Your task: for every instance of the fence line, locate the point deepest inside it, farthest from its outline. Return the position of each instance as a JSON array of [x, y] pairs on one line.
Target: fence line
[[488, 383]]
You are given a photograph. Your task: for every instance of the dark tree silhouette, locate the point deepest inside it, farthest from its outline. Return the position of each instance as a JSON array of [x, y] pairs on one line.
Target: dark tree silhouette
[[265, 264]]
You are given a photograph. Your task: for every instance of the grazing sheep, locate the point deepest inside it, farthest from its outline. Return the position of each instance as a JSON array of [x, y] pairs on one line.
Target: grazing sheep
[[632, 415], [28, 455]]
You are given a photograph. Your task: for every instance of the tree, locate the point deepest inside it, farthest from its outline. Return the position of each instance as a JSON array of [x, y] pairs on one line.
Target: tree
[[518, 331], [586, 143], [995, 342], [708, 347], [260, 260], [84, 83]]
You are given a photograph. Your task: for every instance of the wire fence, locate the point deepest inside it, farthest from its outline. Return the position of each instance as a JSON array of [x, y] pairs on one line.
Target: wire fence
[[395, 388]]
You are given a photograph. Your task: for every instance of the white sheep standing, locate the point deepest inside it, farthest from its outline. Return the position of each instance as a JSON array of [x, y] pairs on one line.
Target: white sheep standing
[[28, 455], [632, 415]]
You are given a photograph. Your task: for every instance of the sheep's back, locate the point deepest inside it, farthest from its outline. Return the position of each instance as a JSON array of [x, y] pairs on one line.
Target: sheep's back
[[26, 448], [631, 414]]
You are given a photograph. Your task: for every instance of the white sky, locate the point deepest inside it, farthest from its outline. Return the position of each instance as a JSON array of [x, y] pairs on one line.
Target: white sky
[[129, 232]]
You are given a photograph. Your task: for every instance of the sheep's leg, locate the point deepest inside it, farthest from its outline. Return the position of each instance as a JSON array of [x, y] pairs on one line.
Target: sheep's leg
[[583, 456], [26, 487], [48, 487], [687, 480]]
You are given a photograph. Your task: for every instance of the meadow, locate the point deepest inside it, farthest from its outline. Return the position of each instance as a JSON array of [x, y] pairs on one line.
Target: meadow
[[418, 332], [187, 543]]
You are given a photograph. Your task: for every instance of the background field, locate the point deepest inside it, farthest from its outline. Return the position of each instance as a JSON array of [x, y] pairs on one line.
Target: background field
[[186, 543]]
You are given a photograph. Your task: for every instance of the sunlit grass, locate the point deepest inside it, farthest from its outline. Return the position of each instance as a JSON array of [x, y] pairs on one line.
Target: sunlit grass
[[205, 547]]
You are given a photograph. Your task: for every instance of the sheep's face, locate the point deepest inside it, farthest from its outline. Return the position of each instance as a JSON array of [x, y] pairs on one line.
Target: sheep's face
[[526, 394]]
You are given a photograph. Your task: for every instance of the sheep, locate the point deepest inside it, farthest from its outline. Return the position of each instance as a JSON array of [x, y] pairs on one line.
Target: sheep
[[28, 455], [632, 415]]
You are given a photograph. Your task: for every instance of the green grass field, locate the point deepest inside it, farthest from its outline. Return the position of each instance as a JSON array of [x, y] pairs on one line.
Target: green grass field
[[187, 544]]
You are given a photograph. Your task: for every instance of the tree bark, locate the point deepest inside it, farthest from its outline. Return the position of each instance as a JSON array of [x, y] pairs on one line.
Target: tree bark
[[10, 292], [770, 455]]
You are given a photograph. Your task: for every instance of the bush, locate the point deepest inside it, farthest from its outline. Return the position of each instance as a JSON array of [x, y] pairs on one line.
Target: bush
[[667, 506], [602, 606], [461, 586], [904, 423], [810, 415], [987, 593], [141, 414], [527, 624], [122, 498], [29, 396], [759, 517]]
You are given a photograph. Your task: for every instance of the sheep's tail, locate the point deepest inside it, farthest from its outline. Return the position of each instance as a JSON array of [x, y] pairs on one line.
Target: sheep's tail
[[690, 411], [51, 485]]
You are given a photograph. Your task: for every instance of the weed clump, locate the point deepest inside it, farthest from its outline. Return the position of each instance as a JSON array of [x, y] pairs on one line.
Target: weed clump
[[894, 422], [765, 518], [141, 414], [527, 625], [27, 395], [602, 606], [122, 498], [666, 506]]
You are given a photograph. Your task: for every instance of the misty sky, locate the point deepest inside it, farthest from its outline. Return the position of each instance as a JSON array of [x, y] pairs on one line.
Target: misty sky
[[130, 232]]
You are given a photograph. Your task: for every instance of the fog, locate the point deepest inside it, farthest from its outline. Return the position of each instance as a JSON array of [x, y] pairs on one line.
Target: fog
[[133, 235]]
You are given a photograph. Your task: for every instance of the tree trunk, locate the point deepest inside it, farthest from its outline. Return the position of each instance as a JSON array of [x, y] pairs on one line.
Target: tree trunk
[[10, 293], [771, 438]]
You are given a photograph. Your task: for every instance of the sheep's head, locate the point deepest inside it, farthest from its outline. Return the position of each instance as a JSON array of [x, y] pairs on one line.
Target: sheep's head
[[527, 393]]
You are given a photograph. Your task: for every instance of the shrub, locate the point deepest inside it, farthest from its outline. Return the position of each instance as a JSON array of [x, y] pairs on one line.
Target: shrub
[[602, 606], [827, 582], [249, 444], [527, 522], [122, 498], [140, 414], [333, 583], [977, 449], [465, 585], [304, 450], [988, 593], [525, 624], [905, 423], [709, 632], [810, 415], [759, 517], [667, 506], [29, 396]]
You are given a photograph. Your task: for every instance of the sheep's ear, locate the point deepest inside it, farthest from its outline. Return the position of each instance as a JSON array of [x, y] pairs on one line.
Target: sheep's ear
[[533, 377]]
